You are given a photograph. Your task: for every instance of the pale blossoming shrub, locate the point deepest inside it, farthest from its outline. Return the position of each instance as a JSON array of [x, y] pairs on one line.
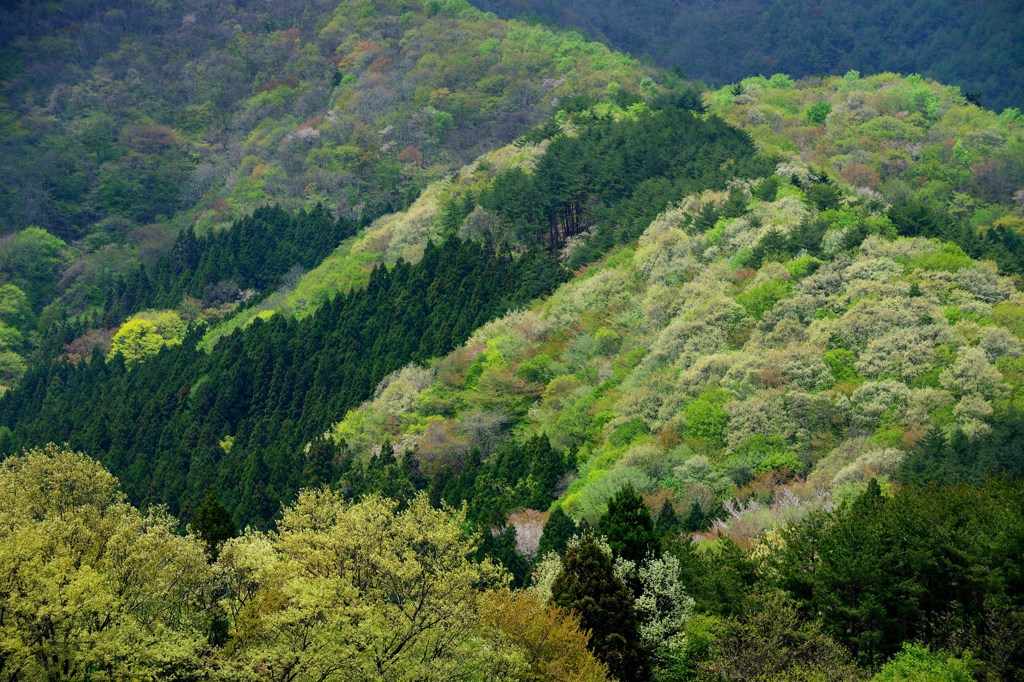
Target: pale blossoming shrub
[[998, 342], [968, 304], [900, 354], [698, 472], [875, 403], [653, 460], [904, 248], [973, 374], [871, 318], [664, 250], [840, 457], [663, 609], [763, 414], [645, 396], [877, 269], [606, 289], [799, 307], [685, 340], [984, 284], [708, 371], [780, 333], [659, 305], [829, 279], [872, 463], [970, 415], [925, 401]]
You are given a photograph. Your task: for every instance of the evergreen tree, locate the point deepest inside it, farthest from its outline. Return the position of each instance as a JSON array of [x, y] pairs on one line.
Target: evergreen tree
[[628, 527], [319, 467], [695, 520], [213, 523], [587, 585], [558, 530], [667, 522], [546, 468]]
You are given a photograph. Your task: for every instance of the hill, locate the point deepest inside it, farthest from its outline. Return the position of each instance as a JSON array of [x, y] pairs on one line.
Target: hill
[[128, 124], [971, 46], [726, 385]]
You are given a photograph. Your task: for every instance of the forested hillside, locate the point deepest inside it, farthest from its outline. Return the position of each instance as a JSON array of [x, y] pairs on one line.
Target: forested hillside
[[452, 348], [974, 46], [126, 124], [241, 414]]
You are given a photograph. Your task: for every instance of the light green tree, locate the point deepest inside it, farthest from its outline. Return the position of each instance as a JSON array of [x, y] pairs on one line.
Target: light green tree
[[91, 588], [146, 333], [360, 591]]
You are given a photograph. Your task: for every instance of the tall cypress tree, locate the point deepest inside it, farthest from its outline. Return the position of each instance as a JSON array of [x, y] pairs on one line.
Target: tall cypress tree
[[558, 530], [587, 585], [628, 526]]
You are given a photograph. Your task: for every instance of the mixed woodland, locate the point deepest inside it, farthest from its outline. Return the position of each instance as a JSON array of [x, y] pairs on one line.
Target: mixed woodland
[[391, 340]]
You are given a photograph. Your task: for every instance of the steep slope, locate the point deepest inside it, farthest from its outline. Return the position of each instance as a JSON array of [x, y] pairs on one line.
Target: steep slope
[[784, 334], [126, 124], [781, 341], [247, 416]]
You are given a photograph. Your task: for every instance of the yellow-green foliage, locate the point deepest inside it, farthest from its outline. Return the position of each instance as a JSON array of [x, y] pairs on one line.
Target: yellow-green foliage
[[355, 591], [669, 366], [89, 586], [94, 589], [145, 333], [899, 136]]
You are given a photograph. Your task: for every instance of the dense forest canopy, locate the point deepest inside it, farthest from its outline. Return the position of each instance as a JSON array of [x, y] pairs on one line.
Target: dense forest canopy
[[125, 124], [974, 46], [390, 340]]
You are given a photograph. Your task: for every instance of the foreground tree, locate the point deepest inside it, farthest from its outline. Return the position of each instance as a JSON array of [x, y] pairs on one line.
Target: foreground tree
[[539, 642], [769, 641], [354, 592], [91, 588], [588, 586]]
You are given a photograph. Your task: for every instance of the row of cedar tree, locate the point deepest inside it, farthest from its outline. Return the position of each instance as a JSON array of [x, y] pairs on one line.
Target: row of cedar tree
[[839, 596], [280, 383]]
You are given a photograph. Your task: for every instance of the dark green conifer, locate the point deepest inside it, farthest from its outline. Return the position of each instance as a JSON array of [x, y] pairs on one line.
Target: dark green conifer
[[695, 520], [587, 585], [628, 527], [213, 523], [558, 530], [667, 522]]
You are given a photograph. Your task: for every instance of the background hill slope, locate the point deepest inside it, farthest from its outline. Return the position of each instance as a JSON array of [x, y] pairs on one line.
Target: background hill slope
[[971, 45]]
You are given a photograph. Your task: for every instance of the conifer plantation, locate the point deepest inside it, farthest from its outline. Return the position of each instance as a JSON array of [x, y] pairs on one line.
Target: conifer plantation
[[394, 340]]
